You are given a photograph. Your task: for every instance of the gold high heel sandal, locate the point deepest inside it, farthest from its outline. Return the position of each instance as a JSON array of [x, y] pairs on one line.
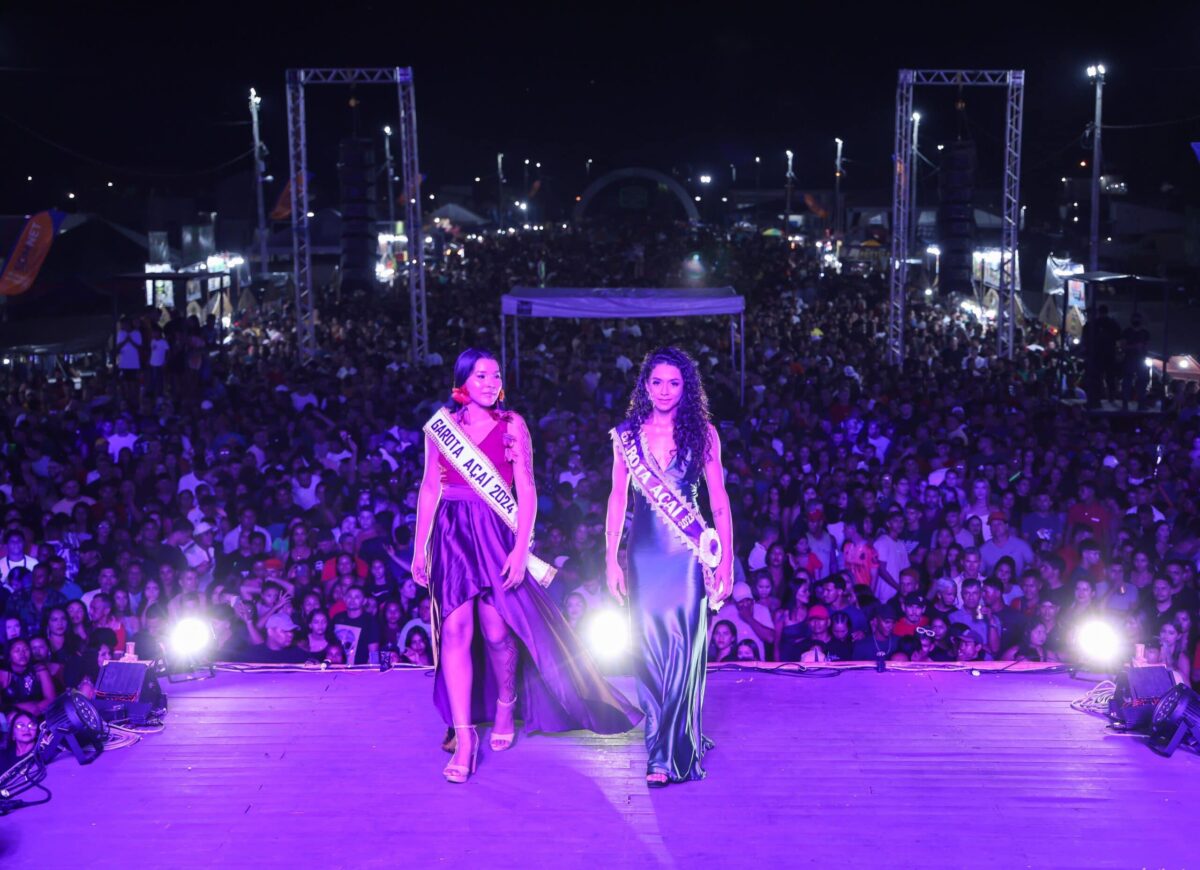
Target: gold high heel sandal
[[459, 773], [501, 742]]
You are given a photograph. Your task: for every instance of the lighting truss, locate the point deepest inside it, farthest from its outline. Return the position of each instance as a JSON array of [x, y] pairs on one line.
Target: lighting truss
[[1014, 82], [402, 77]]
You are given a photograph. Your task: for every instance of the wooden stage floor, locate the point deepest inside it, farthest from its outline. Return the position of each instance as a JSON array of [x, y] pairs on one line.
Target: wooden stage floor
[[909, 770]]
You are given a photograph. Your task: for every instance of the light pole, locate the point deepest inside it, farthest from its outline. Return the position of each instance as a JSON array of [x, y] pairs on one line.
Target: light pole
[[757, 173], [1096, 74], [391, 193], [259, 166], [732, 174], [837, 190], [587, 168], [787, 208], [500, 187], [912, 181]]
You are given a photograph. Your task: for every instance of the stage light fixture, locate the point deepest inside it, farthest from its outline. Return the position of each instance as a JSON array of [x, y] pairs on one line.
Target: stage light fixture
[[190, 637], [1099, 643], [1176, 720], [187, 651], [608, 634], [74, 721]]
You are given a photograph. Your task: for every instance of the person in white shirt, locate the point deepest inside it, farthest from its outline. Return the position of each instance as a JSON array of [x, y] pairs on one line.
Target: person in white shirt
[[198, 549], [303, 397], [249, 525], [574, 472], [71, 497], [757, 560], [129, 347], [122, 438], [159, 348], [304, 488], [15, 556], [893, 557]]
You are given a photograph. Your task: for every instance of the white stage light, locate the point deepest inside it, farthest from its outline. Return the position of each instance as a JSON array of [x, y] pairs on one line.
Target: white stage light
[[190, 637], [608, 634], [1098, 642]]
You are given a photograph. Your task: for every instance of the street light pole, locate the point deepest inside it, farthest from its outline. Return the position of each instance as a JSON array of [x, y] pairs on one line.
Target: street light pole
[[914, 169], [1096, 74], [787, 209], [500, 188], [263, 264], [391, 193], [757, 173], [837, 190]]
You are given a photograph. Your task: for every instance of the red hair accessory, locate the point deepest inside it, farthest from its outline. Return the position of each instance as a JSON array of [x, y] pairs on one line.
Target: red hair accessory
[[460, 395]]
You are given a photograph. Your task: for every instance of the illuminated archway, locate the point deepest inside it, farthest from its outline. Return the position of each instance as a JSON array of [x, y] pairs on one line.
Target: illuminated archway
[[643, 175]]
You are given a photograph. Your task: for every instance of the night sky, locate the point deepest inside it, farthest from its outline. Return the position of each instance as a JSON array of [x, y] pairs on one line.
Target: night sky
[[150, 97]]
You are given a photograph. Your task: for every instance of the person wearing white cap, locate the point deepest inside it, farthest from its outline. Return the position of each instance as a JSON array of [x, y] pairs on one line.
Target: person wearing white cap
[[279, 646]]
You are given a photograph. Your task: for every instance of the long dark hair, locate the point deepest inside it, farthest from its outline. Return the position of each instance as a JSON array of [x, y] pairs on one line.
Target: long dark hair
[[464, 365], [691, 417]]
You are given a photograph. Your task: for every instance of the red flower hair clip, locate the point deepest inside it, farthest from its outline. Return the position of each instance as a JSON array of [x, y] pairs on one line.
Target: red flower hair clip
[[460, 395]]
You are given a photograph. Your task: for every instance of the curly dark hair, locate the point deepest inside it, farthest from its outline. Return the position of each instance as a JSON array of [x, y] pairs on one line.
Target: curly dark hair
[[691, 417]]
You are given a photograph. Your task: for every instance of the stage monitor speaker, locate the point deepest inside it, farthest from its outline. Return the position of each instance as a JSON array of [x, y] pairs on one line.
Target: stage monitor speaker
[[130, 691], [1138, 691]]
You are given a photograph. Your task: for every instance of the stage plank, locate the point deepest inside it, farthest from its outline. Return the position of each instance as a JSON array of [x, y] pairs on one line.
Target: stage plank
[[860, 770]]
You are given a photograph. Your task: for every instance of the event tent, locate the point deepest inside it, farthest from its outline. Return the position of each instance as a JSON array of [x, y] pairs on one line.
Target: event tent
[[621, 303]]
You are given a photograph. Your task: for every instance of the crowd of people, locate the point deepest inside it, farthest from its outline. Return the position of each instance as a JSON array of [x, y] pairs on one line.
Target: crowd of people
[[948, 510]]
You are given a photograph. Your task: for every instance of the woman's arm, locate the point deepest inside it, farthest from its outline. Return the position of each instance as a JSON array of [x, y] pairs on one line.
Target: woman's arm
[[428, 495], [526, 490], [614, 524], [718, 500]]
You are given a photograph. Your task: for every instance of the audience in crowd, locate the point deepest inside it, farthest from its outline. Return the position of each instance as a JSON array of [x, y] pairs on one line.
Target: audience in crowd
[[950, 510]]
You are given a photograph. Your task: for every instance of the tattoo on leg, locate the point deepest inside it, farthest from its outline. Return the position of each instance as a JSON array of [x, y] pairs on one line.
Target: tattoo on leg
[[504, 663]]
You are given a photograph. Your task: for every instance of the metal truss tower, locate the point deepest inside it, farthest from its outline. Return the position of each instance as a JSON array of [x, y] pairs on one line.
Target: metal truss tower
[[402, 77], [902, 160]]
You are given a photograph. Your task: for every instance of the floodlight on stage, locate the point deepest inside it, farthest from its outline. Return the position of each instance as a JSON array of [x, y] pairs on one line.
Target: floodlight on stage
[[190, 637], [1176, 720], [608, 634], [72, 720], [1099, 643]]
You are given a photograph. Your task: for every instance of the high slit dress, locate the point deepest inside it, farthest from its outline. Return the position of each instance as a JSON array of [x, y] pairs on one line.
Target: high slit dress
[[670, 619], [559, 687]]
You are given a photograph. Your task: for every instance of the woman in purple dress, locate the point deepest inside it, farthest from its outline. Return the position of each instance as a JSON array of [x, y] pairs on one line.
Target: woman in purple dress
[[503, 650]]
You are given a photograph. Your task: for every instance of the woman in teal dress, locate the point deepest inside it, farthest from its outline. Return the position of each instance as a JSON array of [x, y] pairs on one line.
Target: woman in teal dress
[[677, 566]]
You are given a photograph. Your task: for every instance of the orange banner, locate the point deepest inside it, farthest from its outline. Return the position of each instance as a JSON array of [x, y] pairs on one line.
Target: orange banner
[[28, 254], [283, 206]]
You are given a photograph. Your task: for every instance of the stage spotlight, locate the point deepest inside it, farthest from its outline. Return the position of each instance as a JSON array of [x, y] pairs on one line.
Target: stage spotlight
[[72, 720], [1176, 719], [608, 634], [1099, 643], [188, 657], [190, 637]]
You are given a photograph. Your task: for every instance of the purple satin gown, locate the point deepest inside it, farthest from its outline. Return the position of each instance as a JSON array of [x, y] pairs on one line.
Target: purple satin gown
[[559, 687]]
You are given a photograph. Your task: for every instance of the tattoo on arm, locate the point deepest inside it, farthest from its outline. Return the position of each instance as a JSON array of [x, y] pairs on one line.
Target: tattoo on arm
[[525, 449]]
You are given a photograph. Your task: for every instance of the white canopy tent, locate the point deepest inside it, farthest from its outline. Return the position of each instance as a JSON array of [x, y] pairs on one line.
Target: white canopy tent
[[621, 303]]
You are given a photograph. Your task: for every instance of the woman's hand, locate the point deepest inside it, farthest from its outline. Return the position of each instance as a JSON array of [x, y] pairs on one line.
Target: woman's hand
[[420, 571], [722, 582], [513, 571], [616, 581]]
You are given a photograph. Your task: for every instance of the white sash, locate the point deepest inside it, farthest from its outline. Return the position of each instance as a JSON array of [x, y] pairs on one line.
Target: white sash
[[483, 476], [675, 512]]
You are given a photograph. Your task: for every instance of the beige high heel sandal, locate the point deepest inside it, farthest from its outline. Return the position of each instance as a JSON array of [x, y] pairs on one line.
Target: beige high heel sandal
[[502, 742], [459, 773]]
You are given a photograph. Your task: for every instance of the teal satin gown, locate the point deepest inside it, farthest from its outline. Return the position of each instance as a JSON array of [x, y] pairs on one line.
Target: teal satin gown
[[670, 621]]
